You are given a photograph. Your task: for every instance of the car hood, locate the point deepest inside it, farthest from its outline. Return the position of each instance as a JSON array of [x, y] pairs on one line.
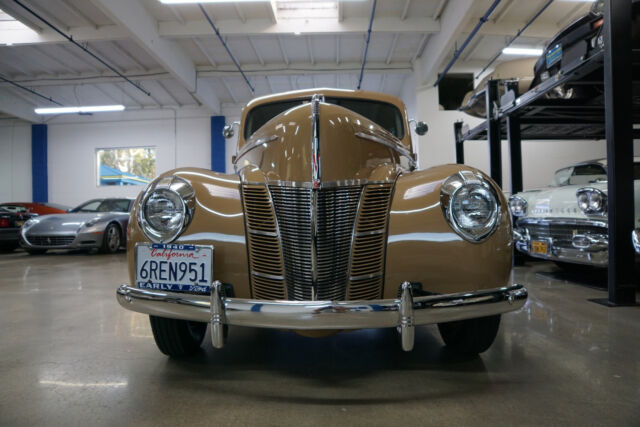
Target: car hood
[[69, 222]]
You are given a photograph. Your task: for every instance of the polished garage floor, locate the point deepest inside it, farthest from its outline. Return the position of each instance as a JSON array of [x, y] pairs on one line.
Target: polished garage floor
[[70, 355]]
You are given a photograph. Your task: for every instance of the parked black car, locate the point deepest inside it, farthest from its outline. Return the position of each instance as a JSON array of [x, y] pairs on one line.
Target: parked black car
[[10, 223]]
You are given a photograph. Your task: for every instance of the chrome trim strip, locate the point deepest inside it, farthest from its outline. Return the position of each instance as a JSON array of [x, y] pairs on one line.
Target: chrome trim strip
[[307, 315], [365, 276], [635, 239], [563, 221], [263, 233], [266, 276], [315, 141], [399, 149], [323, 184], [255, 144], [370, 233], [314, 244]]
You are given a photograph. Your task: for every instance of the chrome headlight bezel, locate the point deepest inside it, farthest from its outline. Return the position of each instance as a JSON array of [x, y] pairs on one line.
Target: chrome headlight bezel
[[176, 186], [451, 188], [592, 201], [517, 206]]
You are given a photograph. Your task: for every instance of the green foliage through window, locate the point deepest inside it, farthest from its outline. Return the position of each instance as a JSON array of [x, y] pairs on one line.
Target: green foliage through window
[[126, 166]]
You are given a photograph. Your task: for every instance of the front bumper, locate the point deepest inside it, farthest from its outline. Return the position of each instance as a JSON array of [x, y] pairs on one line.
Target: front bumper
[[578, 241], [81, 240], [403, 313]]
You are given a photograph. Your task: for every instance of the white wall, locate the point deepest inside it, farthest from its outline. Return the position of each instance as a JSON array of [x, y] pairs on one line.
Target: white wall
[[15, 161], [180, 139], [540, 158]]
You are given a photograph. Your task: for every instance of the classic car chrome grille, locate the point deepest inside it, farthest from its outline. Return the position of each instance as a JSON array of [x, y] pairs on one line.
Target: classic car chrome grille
[[561, 235], [366, 274], [265, 254], [350, 241], [39, 240], [336, 213]]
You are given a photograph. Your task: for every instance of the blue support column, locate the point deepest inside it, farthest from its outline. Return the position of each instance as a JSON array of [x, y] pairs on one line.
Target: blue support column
[[39, 173], [218, 144]]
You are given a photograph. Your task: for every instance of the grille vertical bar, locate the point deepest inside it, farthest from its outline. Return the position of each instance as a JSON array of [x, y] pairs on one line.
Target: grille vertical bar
[[265, 254], [366, 272]]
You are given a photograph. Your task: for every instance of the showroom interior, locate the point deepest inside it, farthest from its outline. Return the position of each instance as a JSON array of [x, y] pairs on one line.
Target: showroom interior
[[134, 130]]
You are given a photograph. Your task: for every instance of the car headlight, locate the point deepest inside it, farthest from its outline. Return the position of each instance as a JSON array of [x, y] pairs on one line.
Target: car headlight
[[30, 222], [166, 209], [592, 201], [517, 206], [470, 205], [91, 222]]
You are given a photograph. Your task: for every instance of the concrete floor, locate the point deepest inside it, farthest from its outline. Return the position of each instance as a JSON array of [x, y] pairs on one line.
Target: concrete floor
[[70, 355]]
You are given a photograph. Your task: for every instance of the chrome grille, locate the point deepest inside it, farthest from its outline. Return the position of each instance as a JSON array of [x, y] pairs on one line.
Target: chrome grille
[[265, 259], [561, 235], [39, 240], [366, 274], [336, 212]]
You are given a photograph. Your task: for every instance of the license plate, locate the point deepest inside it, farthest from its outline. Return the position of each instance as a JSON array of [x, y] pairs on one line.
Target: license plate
[[554, 55], [19, 223], [539, 247], [167, 267]]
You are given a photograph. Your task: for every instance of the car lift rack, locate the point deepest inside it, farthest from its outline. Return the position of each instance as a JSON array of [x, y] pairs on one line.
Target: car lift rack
[[613, 114]]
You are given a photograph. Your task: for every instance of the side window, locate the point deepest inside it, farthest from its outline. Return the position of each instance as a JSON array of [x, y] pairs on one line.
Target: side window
[[586, 174], [91, 206]]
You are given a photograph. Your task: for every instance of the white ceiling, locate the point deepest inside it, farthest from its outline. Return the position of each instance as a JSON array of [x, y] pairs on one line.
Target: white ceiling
[[172, 52]]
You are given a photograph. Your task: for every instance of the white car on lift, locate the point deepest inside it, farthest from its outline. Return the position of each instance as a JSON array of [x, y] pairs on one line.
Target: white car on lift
[[567, 222]]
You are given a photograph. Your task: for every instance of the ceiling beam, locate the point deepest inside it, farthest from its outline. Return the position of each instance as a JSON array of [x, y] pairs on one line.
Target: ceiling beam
[[405, 11], [337, 49], [143, 29], [392, 48], [230, 27], [420, 49], [77, 13], [18, 107], [439, 9], [454, 20], [310, 47], [228, 87], [176, 14], [240, 12], [256, 51], [538, 29], [205, 52], [340, 11], [169, 94], [272, 11], [283, 51], [502, 12]]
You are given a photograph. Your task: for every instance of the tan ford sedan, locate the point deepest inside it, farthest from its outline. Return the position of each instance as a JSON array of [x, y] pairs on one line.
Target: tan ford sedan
[[326, 226]]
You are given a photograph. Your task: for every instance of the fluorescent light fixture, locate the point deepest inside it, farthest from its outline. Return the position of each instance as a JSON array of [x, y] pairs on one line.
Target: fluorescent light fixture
[[207, 1], [79, 110], [526, 51]]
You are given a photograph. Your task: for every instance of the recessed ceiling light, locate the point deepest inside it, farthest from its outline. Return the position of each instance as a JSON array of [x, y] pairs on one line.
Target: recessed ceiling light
[[525, 51], [79, 110]]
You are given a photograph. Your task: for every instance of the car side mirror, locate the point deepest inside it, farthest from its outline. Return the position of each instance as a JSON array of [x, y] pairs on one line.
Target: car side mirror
[[421, 128], [227, 131]]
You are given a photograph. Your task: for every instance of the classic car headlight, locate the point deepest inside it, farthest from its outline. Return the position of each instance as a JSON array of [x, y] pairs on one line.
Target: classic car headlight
[[592, 201], [470, 204], [517, 206], [166, 209]]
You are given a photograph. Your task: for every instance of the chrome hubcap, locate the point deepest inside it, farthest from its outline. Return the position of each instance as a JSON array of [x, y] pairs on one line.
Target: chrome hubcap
[[113, 239]]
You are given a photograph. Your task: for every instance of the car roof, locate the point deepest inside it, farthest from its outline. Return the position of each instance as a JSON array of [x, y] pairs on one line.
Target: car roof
[[602, 162]]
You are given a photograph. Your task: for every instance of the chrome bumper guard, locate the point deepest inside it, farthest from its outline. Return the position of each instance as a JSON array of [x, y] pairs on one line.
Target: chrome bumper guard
[[404, 313]]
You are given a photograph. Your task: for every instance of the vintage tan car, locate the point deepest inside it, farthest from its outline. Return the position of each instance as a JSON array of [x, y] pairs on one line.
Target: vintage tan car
[[326, 226]]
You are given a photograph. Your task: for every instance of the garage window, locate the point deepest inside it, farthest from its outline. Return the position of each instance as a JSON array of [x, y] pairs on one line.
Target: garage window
[[125, 166]]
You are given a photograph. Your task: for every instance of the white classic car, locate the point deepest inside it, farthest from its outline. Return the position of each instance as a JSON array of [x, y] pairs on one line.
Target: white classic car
[[567, 222]]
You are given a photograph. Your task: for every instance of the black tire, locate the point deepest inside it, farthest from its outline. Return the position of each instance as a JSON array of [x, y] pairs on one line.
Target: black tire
[[36, 251], [111, 239], [472, 336], [177, 338]]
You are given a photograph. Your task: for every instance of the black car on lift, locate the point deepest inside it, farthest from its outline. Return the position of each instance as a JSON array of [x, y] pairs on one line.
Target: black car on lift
[[10, 223], [581, 39]]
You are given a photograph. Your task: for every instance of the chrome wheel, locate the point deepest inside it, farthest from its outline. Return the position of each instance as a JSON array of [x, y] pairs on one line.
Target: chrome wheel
[[111, 242]]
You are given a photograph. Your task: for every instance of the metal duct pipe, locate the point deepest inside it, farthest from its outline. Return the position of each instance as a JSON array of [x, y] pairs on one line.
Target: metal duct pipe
[[69, 38], [366, 46], [457, 53], [48, 98], [233, 58], [547, 4]]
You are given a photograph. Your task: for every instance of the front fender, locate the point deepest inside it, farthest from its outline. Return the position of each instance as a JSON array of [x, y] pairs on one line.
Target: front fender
[[422, 247]]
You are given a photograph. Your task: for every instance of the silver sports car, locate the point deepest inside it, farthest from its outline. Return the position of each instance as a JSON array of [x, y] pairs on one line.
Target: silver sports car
[[98, 223]]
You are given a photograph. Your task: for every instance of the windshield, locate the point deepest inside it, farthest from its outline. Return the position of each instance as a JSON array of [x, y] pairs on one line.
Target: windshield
[[13, 208], [579, 175], [384, 114], [104, 205]]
